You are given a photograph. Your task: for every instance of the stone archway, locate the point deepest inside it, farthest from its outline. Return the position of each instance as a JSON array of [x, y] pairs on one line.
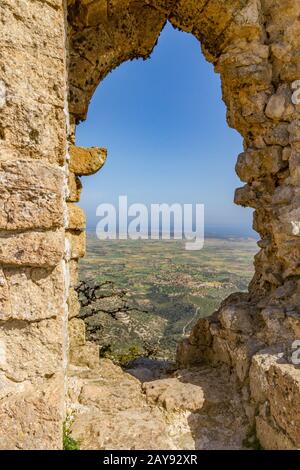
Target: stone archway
[[52, 62]]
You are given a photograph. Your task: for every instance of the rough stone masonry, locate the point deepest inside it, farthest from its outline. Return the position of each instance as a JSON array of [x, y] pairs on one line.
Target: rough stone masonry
[[53, 54]]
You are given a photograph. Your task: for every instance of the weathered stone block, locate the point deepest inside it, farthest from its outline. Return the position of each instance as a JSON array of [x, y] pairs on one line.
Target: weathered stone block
[[31, 350], [294, 131], [261, 363], [272, 438], [34, 117], [31, 293], [76, 217], [293, 323], [44, 22], [277, 135], [188, 354], [75, 187], [246, 197], [77, 241], [31, 419], [85, 356], [174, 395], [221, 350], [5, 301], [76, 333], [241, 359], [283, 195], [236, 318], [276, 107], [73, 303], [32, 195], [73, 272], [272, 325], [258, 163], [86, 161], [284, 398], [40, 249]]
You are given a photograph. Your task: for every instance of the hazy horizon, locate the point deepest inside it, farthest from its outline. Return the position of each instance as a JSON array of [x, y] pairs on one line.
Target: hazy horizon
[[210, 232]]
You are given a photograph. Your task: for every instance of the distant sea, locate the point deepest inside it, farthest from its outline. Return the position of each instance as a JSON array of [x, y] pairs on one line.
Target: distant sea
[[215, 231]]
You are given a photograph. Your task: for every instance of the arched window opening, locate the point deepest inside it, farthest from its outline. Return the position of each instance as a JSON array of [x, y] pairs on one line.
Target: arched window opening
[[163, 122]]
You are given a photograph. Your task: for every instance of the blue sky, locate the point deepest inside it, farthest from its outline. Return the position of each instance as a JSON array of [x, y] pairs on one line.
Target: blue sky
[[164, 124]]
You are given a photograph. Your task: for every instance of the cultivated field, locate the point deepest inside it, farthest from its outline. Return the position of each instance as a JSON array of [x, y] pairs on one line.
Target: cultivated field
[[167, 289]]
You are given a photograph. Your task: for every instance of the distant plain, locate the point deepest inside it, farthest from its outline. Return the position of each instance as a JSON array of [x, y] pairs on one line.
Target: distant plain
[[168, 288]]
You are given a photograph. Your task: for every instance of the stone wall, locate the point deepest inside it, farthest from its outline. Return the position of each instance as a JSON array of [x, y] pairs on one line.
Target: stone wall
[[53, 57], [33, 217]]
